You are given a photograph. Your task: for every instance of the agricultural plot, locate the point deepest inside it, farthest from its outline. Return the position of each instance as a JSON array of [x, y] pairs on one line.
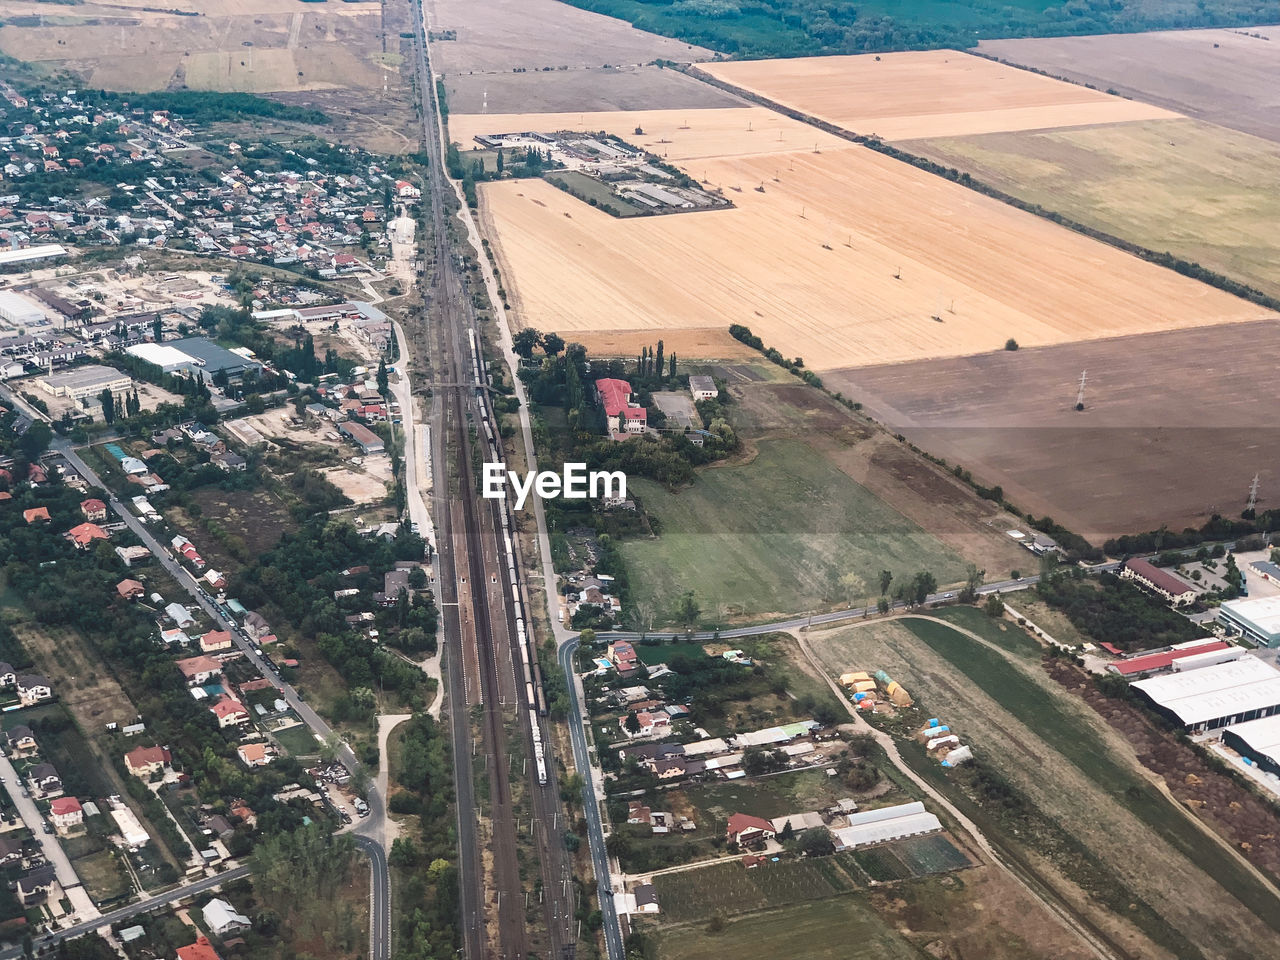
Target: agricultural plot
[[1224, 76], [1009, 418], [912, 857], [868, 260], [773, 536], [821, 930], [898, 96], [615, 88], [1077, 772], [1204, 193], [727, 889]]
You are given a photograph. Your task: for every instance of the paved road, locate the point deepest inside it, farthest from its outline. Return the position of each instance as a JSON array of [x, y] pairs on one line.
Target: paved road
[[369, 830], [379, 898], [152, 902], [80, 903], [591, 805]]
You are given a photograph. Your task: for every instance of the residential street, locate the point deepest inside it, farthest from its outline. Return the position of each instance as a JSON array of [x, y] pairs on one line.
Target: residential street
[[82, 907]]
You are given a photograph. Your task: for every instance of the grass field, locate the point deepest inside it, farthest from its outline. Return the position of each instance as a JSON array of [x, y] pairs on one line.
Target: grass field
[[913, 857], [825, 930], [842, 256], [1204, 193], [1075, 770], [773, 536], [103, 876], [933, 93], [298, 740], [729, 888]]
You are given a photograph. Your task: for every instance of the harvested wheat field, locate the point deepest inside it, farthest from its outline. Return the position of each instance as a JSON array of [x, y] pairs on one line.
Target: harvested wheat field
[[937, 93], [673, 134], [846, 258]]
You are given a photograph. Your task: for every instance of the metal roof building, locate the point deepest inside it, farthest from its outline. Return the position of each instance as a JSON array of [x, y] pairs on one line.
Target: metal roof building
[[1215, 696], [888, 823], [1259, 740], [87, 381], [1257, 619]]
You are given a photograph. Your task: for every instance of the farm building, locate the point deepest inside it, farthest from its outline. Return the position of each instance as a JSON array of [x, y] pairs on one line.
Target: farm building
[[1257, 619], [703, 388], [1215, 696], [1174, 589], [362, 436], [1256, 740], [1149, 664], [87, 381], [888, 823]]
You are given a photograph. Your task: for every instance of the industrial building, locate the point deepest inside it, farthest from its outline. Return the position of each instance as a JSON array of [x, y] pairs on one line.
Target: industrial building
[[1257, 619], [367, 440], [1174, 589], [77, 383], [192, 356], [888, 823], [37, 252], [1150, 664], [19, 311], [1215, 696], [1257, 740]]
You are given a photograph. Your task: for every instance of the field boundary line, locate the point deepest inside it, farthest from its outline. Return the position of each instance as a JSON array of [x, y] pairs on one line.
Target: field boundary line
[[1178, 265]]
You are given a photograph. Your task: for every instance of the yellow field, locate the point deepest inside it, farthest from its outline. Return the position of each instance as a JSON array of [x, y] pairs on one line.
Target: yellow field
[[846, 258], [938, 93], [676, 135]]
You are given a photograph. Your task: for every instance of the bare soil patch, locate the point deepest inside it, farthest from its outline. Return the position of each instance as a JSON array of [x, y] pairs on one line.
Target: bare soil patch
[[1173, 428], [932, 93], [1224, 76]]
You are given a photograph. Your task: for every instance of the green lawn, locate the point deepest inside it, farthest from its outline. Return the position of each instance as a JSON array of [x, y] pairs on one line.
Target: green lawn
[[103, 877], [835, 929], [773, 536], [299, 741]]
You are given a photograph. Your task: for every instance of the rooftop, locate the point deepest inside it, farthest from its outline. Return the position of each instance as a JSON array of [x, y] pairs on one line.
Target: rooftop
[[1221, 690], [1261, 612], [84, 377]]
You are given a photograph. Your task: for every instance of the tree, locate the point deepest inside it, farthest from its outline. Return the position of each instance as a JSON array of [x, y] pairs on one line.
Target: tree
[[973, 580], [108, 401], [157, 329], [853, 586], [994, 606], [787, 832], [923, 584], [816, 842], [631, 724], [383, 383], [552, 343], [36, 440], [883, 604], [886, 578], [418, 578], [687, 609], [672, 372], [500, 161], [1011, 344], [524, 342], [657, 364]]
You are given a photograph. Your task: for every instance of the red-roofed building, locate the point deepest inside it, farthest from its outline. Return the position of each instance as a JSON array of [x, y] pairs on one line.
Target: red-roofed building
[[83, 535], [202, 949], [1150, 663], [130, 589], [746, 830], [1173, 589], [65, 813], [93, 509], [623, 655], [37, 514], [620, 413], [230, 712], [145, 761], [215, 640]]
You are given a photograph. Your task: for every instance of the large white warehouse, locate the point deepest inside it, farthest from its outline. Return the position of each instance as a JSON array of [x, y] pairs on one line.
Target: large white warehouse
[[19, 311], [1215, 696]]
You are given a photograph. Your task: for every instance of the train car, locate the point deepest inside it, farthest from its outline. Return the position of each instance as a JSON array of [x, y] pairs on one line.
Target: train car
[[506, 539], [528, 692]]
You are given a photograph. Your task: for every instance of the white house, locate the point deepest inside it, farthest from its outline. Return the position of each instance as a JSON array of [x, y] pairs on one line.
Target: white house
[[221, 918]]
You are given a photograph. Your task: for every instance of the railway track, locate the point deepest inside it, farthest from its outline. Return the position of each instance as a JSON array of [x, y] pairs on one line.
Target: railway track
[[491, 662]]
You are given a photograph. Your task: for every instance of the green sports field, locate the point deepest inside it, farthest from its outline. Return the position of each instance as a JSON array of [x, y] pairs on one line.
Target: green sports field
[[774, 536]]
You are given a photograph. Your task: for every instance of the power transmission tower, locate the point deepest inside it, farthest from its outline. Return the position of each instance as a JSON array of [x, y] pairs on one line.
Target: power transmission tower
[[1253, 494], [1080, 393]]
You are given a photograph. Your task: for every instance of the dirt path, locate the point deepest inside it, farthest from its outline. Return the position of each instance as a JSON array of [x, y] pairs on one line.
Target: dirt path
[[387, 722], [1155, 779], [1064, 915]]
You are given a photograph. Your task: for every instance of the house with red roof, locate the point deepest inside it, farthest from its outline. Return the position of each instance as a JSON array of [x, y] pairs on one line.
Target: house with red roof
[[229, 711], [746, 830], [37, 515], [65, 813], [202, 949], [1174, 589], [93, 509], [215, 640], [145, 761], [130, 589], [83, 535], [622, 416]]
